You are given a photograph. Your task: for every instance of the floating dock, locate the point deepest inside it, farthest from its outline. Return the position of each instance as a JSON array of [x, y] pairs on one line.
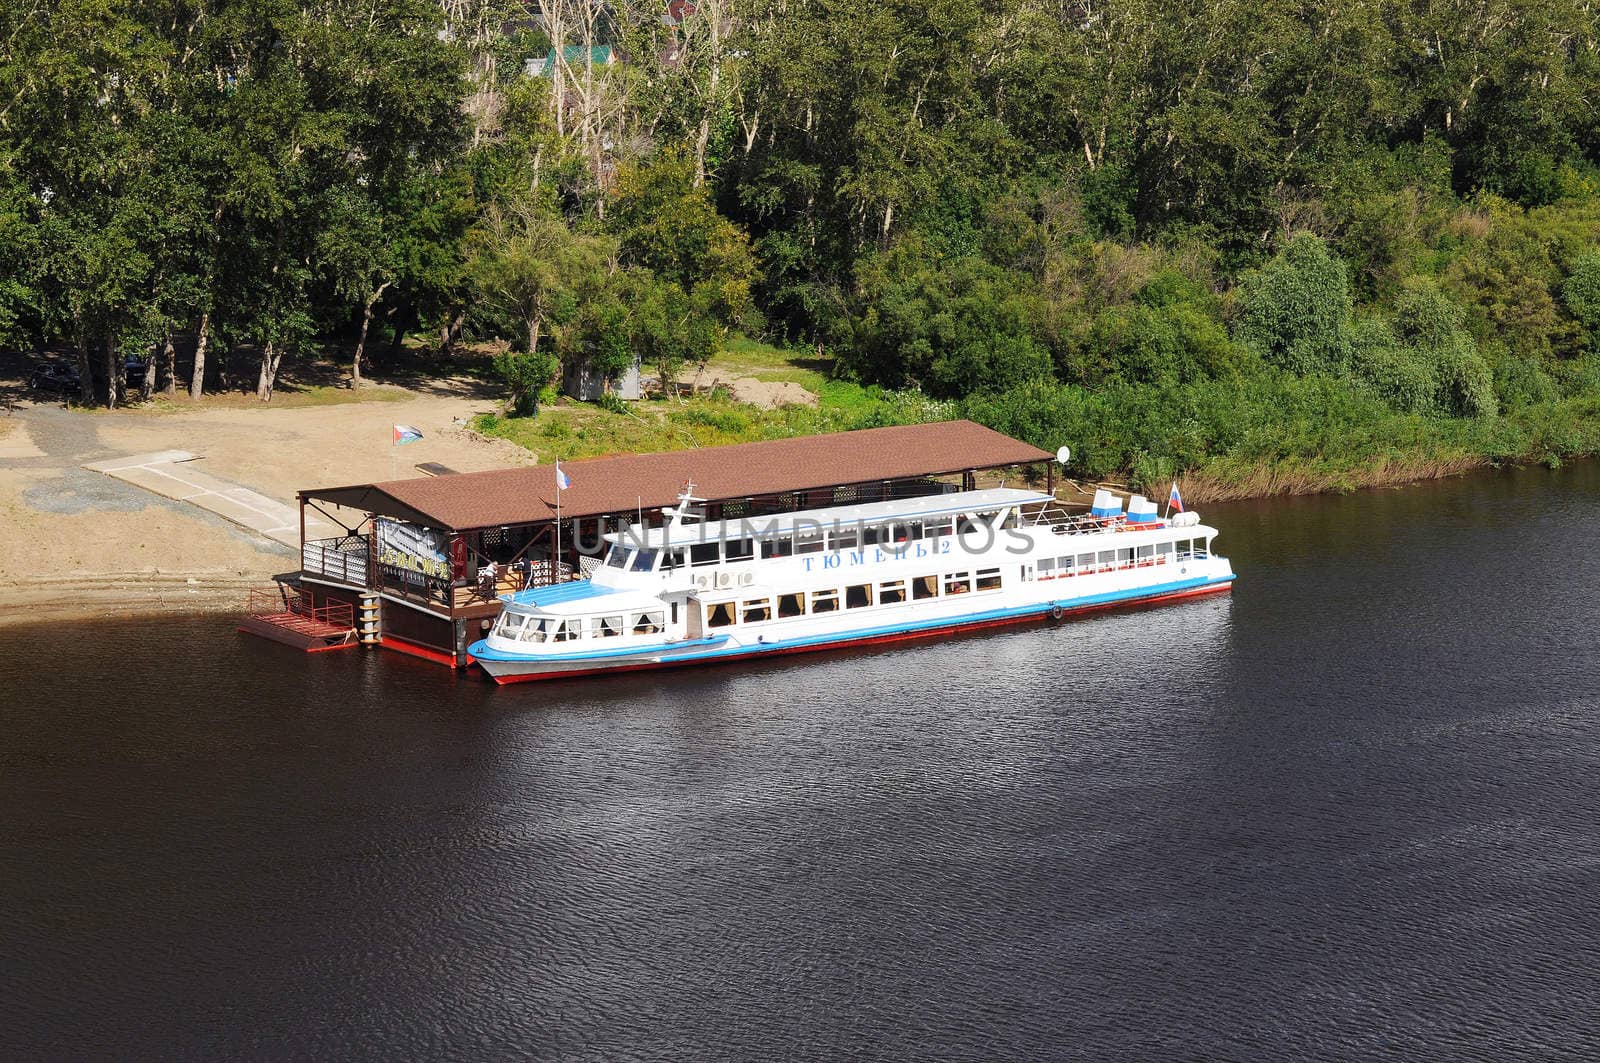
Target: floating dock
[[293, 617]]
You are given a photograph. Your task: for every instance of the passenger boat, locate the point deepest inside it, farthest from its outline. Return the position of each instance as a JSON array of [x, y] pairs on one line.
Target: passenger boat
[[696, 592]]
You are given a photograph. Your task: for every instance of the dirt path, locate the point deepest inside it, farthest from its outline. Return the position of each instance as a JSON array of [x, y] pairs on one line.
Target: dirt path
[[80, 543]]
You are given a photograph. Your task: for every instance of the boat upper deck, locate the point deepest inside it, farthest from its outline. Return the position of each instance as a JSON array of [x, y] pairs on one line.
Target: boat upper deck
[[905, 509]]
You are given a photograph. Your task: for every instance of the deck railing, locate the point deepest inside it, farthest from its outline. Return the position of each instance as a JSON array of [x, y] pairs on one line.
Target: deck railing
[[303, 603], [426, 590], [341, 560]]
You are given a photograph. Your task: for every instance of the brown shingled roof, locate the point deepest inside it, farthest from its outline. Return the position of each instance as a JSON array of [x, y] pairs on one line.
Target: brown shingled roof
[[618, 484]]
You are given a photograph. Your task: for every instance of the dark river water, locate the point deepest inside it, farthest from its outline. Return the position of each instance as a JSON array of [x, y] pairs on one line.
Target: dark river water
[[1349, 812]]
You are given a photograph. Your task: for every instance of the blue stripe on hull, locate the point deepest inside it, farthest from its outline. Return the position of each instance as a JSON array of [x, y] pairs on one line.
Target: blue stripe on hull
[[481, 651], [862, 634]]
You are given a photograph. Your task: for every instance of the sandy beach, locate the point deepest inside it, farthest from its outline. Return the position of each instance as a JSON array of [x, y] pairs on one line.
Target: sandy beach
[[79, 544]]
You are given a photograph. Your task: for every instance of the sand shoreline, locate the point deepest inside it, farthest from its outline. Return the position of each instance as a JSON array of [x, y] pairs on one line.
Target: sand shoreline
[[41, 601]]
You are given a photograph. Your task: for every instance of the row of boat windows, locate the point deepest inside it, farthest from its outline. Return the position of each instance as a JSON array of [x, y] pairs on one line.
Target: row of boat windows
[[1123, 557], [813, 540], [521, 627], [855, 596]]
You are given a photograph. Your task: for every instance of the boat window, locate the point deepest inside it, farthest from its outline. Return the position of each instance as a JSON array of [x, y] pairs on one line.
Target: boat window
[[704, 554], [925, 587], [957, 582], [967, 523], [890, 593], [874, 535], [1064, 565], [842, 540], [1124, 556], [1163, 552], [808, 542], [915, 530], [509, 623], [1013, 520], [1202, 548], [740, 549], [608, 627], [1085, 562], [789, 605], [535, 630], [1146, 553], [647, 623], [674, 559], [721, 615], [567, 630], [777, 547], [674, 612], [858, 596], [758, 610], [988, 579], [1047, 568], [618, 557], [824, 601], [1108, 559], [644, 561], [939, 528]]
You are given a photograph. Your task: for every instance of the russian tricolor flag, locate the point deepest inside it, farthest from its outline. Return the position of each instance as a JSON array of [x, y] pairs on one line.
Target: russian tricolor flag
[[1175, 500], [404, 433]]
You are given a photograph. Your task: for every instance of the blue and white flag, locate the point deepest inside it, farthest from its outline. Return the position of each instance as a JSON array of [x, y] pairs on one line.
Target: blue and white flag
[[563, 481]]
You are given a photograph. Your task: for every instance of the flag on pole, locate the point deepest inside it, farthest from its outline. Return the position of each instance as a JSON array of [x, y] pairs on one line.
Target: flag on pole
[[404, 433], [1175, 500], [563, 481]]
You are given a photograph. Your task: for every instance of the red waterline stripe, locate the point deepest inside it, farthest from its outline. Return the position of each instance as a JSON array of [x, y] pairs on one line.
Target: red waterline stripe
[[898, 636], [400, 645]]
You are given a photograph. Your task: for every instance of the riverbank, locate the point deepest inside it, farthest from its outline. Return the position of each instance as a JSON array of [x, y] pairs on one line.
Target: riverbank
[[76, 544]]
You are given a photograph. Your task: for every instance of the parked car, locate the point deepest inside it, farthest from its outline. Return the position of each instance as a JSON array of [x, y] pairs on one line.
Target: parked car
[[55, 376]]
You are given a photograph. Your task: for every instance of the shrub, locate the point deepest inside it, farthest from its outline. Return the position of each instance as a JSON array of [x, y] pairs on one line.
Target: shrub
[[1295, 310], [525, 374], [1581, 292]]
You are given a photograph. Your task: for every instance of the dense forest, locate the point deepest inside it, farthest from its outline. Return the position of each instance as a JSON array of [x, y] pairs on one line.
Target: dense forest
[[1261, 243]]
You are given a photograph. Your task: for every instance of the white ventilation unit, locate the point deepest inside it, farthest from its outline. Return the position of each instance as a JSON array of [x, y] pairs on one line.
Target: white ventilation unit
[[724, 579], [746, 578]]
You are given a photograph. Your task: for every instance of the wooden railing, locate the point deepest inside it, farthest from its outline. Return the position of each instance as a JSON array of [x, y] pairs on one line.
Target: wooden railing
[[426, 590], [342, 560]]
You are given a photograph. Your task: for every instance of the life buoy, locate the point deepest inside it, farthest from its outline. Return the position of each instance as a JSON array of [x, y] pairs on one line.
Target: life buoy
[[1056, 612]]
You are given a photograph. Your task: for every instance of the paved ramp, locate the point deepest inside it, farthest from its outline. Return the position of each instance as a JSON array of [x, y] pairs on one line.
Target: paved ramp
[[171, 474]]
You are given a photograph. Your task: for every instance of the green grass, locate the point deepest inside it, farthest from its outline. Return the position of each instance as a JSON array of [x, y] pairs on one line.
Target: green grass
[[743, 356], [581, 430]]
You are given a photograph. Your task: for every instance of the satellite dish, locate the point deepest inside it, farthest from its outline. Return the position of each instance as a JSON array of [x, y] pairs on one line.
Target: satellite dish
[[1064, 455]]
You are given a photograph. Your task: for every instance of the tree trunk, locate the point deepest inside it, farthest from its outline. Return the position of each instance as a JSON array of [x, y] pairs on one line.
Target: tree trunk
[[172, 368], [451, 331], [405, 317], [85, 373], [270, 357], [361, 344], [113, 373], [148, 388], [197, 381], [533, 335]]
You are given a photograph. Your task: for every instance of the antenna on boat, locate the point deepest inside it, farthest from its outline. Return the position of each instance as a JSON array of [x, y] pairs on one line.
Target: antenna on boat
[[683, 509]]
